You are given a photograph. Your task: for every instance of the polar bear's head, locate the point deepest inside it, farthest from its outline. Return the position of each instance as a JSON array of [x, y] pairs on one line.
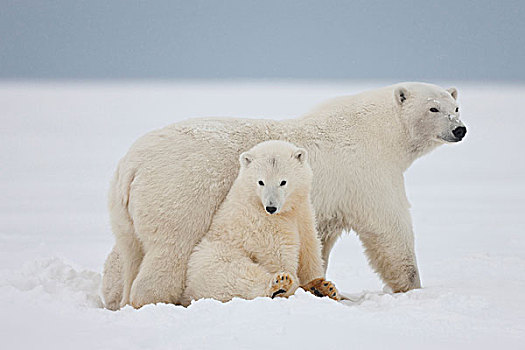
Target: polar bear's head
[[274, 172], [430, 115]]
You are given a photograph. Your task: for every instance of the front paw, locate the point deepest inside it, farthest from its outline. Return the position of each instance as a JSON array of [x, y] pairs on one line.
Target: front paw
[[322, 288]]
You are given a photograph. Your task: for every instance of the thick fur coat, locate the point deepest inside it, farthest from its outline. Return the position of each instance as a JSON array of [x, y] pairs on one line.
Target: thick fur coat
[[262, 240], [168, 187]]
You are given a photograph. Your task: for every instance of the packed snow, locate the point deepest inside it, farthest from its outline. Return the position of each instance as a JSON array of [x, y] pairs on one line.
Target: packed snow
[[61, 141]]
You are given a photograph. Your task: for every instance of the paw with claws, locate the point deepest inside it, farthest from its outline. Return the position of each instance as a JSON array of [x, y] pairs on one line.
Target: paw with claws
[[281, 285], [322, 288]]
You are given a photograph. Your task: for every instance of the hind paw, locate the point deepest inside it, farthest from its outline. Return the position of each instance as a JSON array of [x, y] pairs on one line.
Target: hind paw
[[281, 285]]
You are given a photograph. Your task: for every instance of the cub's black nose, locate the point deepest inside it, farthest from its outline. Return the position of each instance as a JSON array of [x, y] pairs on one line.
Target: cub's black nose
[[459, 132], [271, 210]]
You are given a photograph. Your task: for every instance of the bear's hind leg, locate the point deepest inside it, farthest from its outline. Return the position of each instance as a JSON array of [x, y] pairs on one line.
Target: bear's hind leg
[[130, 252], [282, 285], [112, 284], [217, 272], [161, 276]]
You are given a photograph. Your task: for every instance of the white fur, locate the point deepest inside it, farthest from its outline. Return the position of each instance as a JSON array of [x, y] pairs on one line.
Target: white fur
[[169, 185], [246, 247]]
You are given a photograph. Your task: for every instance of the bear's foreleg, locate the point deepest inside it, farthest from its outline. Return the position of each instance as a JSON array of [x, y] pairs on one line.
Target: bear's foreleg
[[311, 270], [390, 250], [329, 232], [310, 264]]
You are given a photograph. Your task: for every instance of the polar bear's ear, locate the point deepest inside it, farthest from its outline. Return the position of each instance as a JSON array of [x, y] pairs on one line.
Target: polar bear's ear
[[400, 94], [246, 159], [301, 155], [454, 92]]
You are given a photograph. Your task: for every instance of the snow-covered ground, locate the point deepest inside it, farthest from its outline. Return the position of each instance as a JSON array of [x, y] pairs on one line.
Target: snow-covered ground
[[59, 144]]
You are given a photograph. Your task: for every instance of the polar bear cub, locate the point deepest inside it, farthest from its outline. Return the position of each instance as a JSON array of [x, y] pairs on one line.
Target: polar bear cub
[[262, 240]]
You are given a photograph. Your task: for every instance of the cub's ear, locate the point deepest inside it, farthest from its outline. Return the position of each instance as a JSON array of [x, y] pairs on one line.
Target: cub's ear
[[245, 159], [454, 92], [301, 155], [400, 94]]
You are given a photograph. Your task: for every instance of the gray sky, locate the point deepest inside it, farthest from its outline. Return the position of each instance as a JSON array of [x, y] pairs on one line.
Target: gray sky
[[403, 40]]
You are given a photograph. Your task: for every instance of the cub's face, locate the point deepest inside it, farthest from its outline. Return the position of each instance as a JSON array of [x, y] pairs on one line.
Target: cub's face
[[274, 177], [434, 113]]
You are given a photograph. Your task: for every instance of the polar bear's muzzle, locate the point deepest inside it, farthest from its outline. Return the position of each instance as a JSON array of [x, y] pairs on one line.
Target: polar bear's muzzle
[[454, 131], [272, 200]]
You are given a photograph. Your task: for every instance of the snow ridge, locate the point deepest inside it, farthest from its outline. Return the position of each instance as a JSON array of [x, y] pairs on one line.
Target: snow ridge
[[53, 278]]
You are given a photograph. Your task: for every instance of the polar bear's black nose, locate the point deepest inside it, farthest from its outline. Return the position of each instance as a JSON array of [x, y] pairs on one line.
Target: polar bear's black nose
[[271, 210], [459, 132]]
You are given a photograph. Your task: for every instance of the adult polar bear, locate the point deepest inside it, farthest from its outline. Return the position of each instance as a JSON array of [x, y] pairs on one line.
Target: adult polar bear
[[171, 182]]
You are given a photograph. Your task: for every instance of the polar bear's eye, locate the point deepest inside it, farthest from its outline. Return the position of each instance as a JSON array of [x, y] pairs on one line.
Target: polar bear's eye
[[261, 183], [434, 110], [457, 109], [283, 182]]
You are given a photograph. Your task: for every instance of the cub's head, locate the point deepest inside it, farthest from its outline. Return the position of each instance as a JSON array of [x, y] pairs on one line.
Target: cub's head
[[276, 173], [430, 113]]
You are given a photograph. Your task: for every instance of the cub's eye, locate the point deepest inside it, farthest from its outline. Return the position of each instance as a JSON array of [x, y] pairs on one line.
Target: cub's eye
[[457, 109], [261, 183], [283, 183], [434, 110]]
